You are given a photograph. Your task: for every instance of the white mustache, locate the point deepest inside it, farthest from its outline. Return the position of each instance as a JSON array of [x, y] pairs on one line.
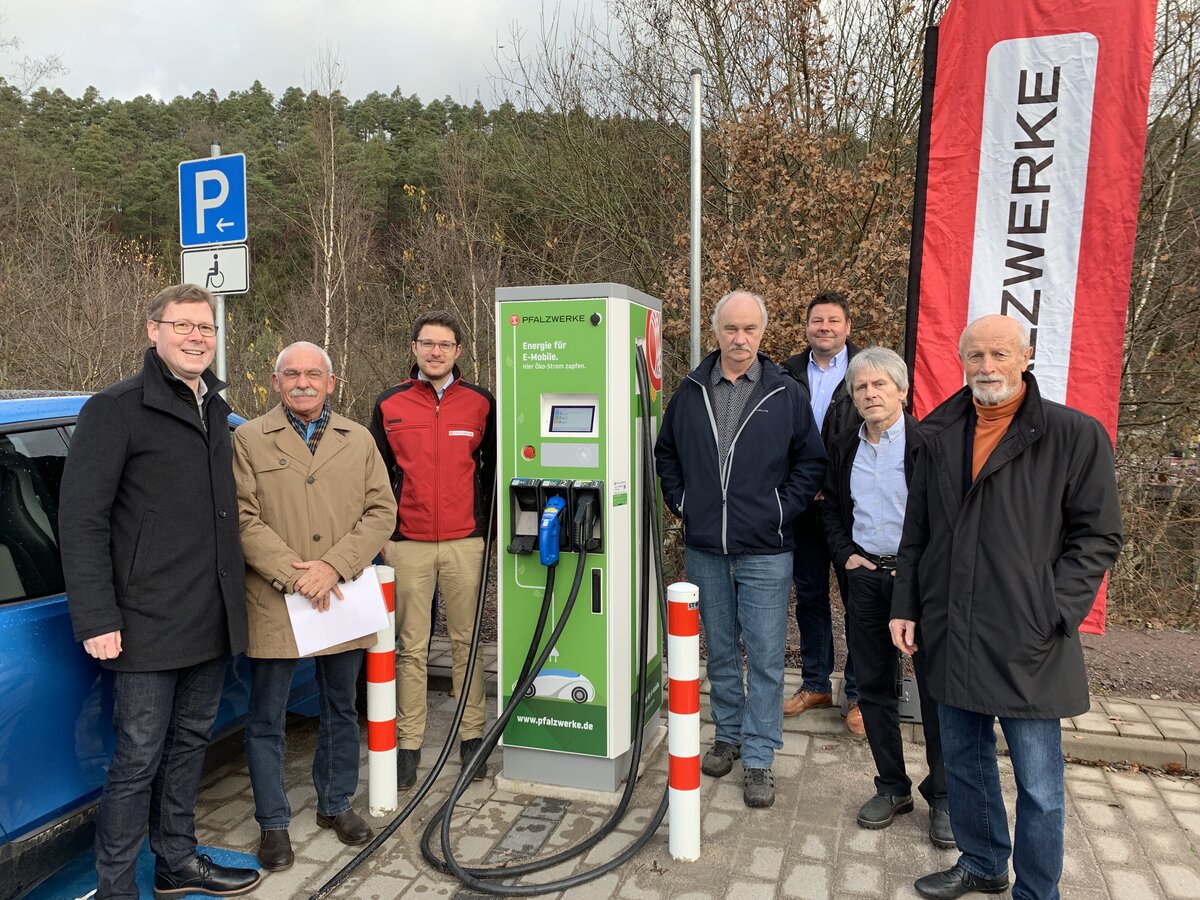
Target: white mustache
[[302, 392]]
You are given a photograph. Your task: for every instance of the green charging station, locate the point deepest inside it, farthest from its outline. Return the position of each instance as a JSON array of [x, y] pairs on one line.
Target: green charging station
[[569, 426]]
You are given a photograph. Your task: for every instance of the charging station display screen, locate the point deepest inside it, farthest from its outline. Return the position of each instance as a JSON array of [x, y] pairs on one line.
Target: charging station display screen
[[572, 419]]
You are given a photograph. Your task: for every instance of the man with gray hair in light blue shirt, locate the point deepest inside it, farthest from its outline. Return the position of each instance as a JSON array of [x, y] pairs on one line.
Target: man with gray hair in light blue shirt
[[866, 489]]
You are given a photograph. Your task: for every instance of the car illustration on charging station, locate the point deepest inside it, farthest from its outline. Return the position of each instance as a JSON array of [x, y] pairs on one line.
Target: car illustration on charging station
[[562, 684]]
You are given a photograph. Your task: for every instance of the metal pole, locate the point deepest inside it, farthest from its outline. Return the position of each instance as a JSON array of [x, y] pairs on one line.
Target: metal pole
[[694, 274], [214, 150], [916, 246]]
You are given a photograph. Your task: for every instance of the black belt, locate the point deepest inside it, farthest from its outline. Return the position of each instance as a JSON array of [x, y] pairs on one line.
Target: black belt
[[887, 563]]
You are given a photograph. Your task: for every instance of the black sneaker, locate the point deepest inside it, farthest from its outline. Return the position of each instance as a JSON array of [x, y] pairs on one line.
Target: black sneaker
[[406, 768], [758, 790], [200, 875], [719, 758], [880, 810], [466, 750]]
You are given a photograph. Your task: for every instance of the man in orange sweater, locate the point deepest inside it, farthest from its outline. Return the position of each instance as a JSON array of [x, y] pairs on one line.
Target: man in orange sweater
[[1012, 521]]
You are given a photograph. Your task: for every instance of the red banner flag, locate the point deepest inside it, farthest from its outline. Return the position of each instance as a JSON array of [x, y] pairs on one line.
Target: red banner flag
[[1036, 142]]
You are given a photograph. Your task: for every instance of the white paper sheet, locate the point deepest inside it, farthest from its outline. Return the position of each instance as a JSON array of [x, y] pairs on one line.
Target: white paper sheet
[[360, 612]]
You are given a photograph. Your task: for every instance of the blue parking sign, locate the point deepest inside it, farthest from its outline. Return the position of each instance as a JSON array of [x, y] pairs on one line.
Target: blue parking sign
[[212, 200]]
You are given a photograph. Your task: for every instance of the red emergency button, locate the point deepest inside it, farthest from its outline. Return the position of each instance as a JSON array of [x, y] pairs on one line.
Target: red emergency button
[[528, 452]]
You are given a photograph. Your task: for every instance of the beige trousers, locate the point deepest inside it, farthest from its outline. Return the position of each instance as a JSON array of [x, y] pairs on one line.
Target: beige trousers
[[453, 567]]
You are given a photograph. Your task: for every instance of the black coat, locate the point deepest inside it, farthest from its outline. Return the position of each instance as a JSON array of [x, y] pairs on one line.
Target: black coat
[[1000, 578], [149, 522], [841, 413], [838, 506]]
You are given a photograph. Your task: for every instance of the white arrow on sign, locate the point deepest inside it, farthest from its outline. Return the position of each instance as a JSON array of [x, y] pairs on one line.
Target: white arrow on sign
[[222, 225]]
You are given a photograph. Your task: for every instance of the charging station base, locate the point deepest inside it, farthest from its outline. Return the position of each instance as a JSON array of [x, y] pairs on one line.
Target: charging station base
[[572, 776]]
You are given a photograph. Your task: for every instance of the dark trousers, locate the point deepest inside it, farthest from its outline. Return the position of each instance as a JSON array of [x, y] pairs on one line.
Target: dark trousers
[[162, 721], [869, 609], [810, 573], [335, 762]]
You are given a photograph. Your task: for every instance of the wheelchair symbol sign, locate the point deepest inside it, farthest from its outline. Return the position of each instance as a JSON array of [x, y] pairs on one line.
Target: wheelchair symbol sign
[[222, 270]]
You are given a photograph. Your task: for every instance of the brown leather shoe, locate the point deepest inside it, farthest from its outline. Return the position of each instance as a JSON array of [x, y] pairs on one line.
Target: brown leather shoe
[[854, 722], [803, 700], [349, 827], [275, 850]]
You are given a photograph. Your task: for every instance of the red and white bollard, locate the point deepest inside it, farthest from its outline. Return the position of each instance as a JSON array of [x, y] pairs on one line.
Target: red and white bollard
[[381, 706], [683, 720]]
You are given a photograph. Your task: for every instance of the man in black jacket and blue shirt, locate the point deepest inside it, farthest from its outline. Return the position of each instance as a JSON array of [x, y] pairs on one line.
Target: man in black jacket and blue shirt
[[866, 488], [740, 457], [821, 372], [153, 563], [1013, 518]]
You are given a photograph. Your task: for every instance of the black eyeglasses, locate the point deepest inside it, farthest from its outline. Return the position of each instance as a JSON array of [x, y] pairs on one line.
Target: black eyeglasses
[[181, 327], [444, 346]]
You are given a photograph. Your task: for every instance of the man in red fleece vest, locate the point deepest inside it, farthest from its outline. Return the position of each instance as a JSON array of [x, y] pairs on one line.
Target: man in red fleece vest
[[437, 435]]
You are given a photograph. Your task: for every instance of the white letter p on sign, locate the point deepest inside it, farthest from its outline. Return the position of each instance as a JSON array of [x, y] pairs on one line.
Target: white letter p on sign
[[205, 203]]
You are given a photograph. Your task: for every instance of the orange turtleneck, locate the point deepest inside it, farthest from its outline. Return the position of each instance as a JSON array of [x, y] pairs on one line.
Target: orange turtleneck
[[990, 425]]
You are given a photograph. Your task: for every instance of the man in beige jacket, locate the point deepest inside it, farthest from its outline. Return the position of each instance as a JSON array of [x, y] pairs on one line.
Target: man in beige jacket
[[316, 507]]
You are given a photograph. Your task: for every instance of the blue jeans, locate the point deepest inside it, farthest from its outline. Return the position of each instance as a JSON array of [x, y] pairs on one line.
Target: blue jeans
[[744, 596], [162, 722], [335, 763], [977, 806], [810, 572]]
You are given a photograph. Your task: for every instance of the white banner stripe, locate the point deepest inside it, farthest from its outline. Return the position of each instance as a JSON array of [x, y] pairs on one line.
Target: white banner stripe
[[1033, 167]]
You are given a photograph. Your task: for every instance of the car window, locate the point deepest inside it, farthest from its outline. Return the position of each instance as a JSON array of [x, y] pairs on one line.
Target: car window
[[31, 467]]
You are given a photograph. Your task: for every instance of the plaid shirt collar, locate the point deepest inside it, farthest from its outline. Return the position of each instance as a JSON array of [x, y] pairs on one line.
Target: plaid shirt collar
[[310, 432]]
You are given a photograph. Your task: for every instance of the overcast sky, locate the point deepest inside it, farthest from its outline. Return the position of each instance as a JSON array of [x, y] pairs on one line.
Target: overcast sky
[[125, 48]]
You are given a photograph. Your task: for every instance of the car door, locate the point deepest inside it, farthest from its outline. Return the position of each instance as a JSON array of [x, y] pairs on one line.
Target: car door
[[55, 701]]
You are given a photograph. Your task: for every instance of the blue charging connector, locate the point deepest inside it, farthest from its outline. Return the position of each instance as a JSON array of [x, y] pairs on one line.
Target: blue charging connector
[[548, 530]]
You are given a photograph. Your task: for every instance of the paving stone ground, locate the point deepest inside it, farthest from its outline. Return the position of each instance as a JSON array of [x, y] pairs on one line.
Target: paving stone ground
[[1130, 835]]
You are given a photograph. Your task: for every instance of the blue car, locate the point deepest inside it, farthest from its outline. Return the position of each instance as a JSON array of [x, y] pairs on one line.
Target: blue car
[[56, 733]]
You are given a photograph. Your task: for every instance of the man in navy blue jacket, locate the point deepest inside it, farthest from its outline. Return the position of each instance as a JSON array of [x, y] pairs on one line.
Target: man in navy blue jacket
[[740, 457]]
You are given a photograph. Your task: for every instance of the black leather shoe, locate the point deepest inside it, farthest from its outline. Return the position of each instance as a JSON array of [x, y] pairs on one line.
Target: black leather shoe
[[955, 882], [880, 810], [941, 835], [406, 768], [466, 750], [349, 827], [275, 850], [200, 875]]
